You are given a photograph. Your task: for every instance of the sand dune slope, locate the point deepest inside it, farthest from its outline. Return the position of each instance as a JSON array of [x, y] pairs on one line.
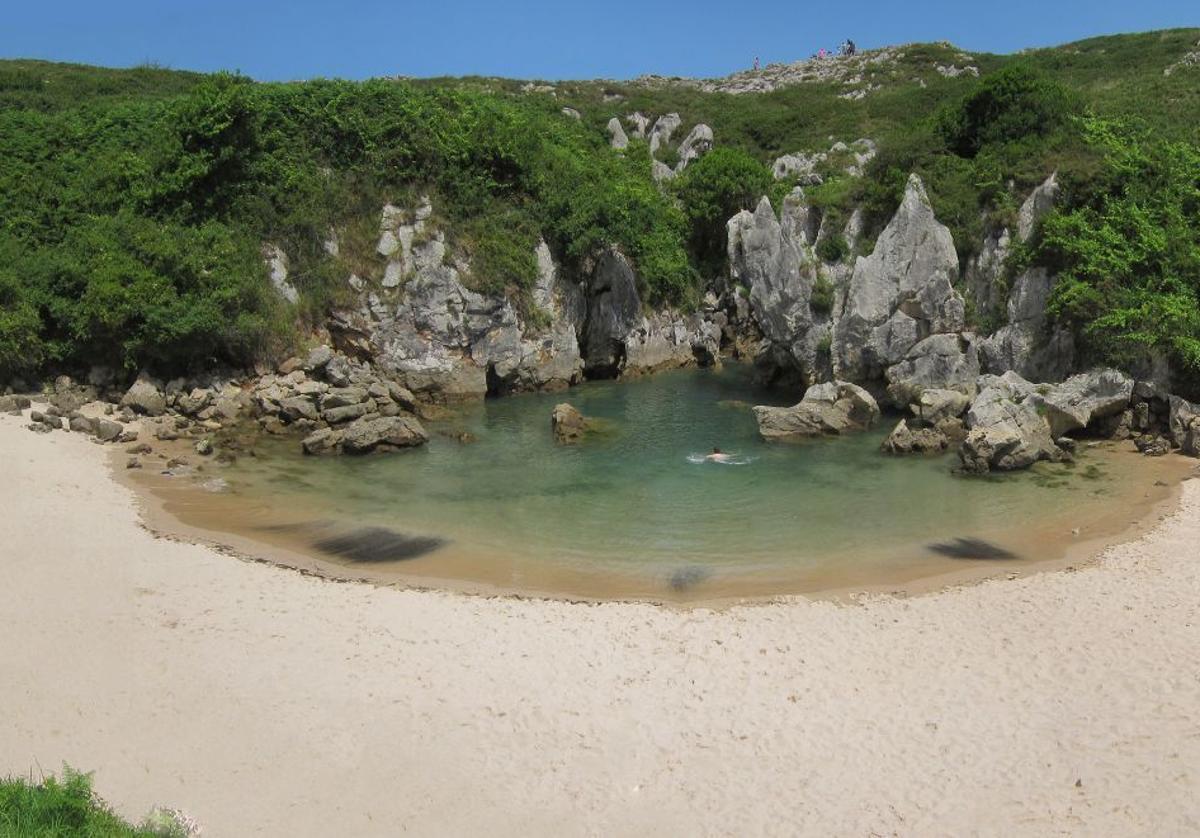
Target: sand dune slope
[[263, 702]]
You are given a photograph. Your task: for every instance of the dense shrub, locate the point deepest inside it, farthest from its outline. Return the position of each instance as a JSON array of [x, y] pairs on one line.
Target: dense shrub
[[712, 190], [1127, 252], [1014, 104]]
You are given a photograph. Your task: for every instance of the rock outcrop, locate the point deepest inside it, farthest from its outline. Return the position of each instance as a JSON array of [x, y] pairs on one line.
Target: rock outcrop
[[826, 409], [617, 136], [1083, 399], [1005, 429], [939, 362], [906, 439], [899, 295], [1184, 426]]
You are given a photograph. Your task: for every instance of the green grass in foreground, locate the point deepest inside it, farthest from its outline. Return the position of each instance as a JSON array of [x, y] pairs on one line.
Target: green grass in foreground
[[66, 807]]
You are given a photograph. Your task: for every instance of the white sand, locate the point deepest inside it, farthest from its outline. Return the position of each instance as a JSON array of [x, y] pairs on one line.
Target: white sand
[[265, 702]]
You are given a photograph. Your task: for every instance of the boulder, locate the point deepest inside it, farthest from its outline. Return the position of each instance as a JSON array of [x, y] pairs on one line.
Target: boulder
[[567, 423], [317, 358], [940, 362], [146, 397], [1082, 399], [10, 403], [337, 415], [343, 396], [82, 424], [384, 433], [323, 441], [109, 431], [935, 406], [832, 408], [1183, 425], [663, 128], [298, 407], [919, 440], [901, 294], [195, 401], [1152, 445], [617, 137], [1006, 431]]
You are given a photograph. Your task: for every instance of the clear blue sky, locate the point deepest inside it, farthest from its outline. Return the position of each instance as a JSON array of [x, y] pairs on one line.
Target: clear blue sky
[[549, 39]]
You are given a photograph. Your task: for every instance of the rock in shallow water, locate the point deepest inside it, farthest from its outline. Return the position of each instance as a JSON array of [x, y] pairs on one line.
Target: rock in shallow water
[[826, 409], [568, 424]]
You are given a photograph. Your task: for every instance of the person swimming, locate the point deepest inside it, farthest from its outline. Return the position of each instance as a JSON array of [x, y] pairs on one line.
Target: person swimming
[[717, 456]]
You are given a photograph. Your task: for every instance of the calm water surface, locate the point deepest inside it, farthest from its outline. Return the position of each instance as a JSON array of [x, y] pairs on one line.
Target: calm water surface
[[632, 513]]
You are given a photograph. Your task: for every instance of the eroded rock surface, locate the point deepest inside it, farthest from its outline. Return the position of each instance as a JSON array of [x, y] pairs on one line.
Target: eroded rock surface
[[826, 409]]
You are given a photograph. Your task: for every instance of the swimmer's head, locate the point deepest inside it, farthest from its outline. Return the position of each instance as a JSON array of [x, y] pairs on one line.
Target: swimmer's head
[[716, 450]]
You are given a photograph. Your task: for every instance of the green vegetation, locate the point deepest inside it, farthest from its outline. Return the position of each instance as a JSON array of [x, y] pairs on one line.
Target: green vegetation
[[714, 189], [1127, 250], [134, 203], [66, 808]]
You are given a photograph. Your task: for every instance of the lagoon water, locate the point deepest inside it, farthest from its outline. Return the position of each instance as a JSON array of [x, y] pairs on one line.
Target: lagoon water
[[636, 511]]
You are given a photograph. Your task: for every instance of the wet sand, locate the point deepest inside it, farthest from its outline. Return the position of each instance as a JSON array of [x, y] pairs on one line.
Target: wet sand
[[266, 702]]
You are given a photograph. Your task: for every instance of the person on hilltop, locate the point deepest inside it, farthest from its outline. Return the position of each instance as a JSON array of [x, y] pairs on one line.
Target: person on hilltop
[[756, 63], [850, 47]]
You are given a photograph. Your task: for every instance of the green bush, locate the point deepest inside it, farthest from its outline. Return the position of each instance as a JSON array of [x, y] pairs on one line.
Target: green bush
[[1013, 104], [821, 300], [1127, 251], [833, 247], [63, 808], [712, 190]]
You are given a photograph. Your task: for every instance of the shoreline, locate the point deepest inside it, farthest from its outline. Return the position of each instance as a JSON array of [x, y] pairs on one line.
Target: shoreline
[[1072, 553], [267, 703]]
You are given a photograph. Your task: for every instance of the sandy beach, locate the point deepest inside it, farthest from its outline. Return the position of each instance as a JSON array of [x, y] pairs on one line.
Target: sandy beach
[[265, 702]]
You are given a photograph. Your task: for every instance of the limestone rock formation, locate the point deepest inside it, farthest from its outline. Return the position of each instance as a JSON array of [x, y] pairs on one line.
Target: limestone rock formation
[[899, 295], [1028, 344], [826, 409], [906, 439], [940, 362], [773, 258], [1005, 429], [696, 144], [1083, 399], [663, 128], [617, 137], [1184, 426]]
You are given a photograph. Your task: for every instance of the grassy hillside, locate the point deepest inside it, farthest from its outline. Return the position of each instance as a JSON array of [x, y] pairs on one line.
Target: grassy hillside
[[133, 203]]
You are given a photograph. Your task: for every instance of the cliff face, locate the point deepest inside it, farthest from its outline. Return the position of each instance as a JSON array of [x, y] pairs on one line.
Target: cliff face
[[893, 320], [897, 317], [446, 342]]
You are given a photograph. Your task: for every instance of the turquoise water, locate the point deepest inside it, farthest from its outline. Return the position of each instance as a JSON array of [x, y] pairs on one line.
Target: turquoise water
[[635, 510]]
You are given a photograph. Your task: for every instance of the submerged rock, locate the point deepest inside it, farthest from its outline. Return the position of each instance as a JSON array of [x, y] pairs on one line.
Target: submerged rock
[[832, 408], [567, 423]]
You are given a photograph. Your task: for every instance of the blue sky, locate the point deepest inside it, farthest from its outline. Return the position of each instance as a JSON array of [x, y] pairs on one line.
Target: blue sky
[[538, 39]]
